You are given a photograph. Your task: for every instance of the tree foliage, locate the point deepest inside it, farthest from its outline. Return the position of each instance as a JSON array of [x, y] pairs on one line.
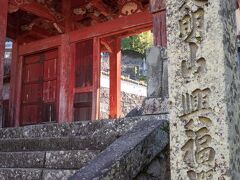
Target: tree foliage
[[138, 43]]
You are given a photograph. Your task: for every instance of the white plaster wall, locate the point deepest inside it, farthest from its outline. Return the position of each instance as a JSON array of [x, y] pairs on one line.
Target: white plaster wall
[[126, 86]]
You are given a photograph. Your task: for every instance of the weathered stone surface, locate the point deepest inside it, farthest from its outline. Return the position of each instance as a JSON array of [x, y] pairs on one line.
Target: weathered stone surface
[[54, 144], [20, 174], [50, 160], [57, 174], [155, 106], [157, 73], [124, 158], [68, 159], [158, 169], [22, 159], [35, 174], [53, 130], [57, 156], [83, 128], [204, 90]]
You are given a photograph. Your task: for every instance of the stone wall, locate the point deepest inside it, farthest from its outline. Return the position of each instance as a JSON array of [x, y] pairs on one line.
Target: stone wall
[[128, 102], [158, 169]]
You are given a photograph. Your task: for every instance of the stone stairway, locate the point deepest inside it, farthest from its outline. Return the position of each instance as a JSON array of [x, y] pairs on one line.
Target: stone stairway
[[56, 151]]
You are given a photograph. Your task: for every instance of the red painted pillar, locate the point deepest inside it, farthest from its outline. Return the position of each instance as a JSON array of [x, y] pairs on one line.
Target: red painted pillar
[[67, 12], [158, 10], [65, 58], [3, 28], [115, 80], [96, 79], [13, 84]]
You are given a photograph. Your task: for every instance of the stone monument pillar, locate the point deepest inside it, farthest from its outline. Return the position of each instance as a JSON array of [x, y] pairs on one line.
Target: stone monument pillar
[[157, 80], [204, 90], [157, 75]]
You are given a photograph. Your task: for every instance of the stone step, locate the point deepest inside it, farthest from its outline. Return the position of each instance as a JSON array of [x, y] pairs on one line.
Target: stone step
[[83, 128], [126, 157], [52, 130], [49, 159], [55, 144], [34, 174]]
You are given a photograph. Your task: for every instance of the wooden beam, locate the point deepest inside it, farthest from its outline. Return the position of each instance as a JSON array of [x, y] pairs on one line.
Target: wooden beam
[[115, 80], [40, 11], [138, 21], [40, 45], [35, 8], [3, 29], [101, 7], [105, 43], [117, 26], [134, 32], [36, 32]]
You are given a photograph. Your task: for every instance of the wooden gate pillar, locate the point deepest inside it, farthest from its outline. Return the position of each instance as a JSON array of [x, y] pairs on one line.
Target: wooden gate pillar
[[13, 85], [158, 10], [115, 80], [3, 28], [65, 58]]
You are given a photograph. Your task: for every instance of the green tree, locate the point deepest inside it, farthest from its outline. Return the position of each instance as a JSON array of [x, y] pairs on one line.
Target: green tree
[[138, 43]]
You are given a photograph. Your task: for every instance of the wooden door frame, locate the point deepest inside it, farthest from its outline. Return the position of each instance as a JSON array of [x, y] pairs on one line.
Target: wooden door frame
[[95, 88], [19, 120], [133, 22]]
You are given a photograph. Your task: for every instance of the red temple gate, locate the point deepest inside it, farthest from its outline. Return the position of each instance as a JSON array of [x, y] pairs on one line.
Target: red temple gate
[[56, 78]]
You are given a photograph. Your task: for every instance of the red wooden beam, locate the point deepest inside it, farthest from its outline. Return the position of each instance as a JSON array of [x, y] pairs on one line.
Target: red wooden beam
[[106, 45], [115, 80], [40, 45], [3, 29], [117, 26], [101, 7], [133, 22], [36, 32], [34, 8]]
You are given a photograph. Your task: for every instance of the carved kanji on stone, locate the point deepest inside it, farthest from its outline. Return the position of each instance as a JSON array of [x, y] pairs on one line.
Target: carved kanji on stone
[[192, 21], [191, 25], [198, 153]]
